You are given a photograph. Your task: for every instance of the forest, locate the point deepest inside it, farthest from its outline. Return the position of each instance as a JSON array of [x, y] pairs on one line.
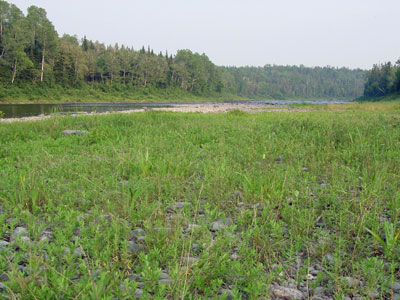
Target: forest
[[34, 57], [383, 80]]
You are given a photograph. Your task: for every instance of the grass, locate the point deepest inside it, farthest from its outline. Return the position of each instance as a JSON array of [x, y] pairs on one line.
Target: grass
[[296, 196], [384, 105], [104, 93]]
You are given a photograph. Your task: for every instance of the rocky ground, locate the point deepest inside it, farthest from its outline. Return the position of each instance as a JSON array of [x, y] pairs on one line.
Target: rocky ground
[[201, 206], [201, 108], [17, 243]]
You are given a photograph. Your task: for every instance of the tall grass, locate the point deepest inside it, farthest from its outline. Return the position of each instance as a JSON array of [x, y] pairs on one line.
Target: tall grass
[[303, 192]]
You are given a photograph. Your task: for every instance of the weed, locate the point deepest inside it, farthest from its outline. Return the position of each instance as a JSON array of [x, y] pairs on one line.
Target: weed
[[195, 206]]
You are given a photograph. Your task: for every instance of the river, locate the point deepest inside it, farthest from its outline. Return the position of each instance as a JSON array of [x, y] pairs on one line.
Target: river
[[36, 109]]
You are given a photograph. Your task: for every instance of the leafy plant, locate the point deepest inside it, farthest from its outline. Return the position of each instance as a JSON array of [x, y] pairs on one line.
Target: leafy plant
[[391, 240]]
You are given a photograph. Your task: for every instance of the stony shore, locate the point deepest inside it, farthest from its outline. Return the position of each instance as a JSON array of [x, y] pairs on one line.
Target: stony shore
[[186, 108]]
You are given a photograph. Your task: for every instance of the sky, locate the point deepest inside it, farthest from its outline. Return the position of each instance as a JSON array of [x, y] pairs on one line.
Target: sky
[[339, 33]]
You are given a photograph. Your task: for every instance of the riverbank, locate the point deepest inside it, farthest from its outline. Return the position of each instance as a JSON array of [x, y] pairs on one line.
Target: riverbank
[[98, 93], [184, 108], [104, 93], [202, 205]]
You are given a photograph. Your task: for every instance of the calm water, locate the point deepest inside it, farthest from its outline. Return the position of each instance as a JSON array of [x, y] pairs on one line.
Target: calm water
[[27, 110]]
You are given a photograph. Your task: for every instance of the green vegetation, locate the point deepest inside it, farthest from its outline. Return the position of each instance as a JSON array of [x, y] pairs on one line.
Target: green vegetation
[[383, 80], [191, 206], [38, 65], [105, 93], [292, 82]]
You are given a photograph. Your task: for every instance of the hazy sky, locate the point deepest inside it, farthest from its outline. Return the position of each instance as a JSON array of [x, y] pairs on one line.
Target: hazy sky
[[352, 33]]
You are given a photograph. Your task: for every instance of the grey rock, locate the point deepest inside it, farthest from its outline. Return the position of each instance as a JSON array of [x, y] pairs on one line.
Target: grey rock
[[67, 251], [258, 205], [167, 230], [330, 259], [352, 282], [234, 256], [138, 293], [164, 276], [193, 227], [221, 224], [189, 260], [107, 218], [313, 272], [373, 295], [134, 248], [26, 239], [44, 239], [395, 286], [2, 287], [3, 245], [19, 232], [78, 231], [23, 269], [166, 281], [74, 132], [13, 220], [227, 293], [46, 235], [4, 277], [134, 277], [141, 285], [286, 293], [136, 234], [179, 205], [195, 247], [396, 297], [319, 291], [292, 286], [79, 252], [302, 289], [346, 298]]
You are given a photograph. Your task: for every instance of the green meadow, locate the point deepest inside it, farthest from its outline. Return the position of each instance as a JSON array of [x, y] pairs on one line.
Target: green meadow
[[159, 205]]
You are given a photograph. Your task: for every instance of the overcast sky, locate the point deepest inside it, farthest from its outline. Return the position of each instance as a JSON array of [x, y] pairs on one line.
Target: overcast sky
[[352, 33]]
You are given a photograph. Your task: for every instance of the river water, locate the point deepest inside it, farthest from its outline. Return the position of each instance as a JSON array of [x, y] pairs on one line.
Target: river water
[[28, 110]]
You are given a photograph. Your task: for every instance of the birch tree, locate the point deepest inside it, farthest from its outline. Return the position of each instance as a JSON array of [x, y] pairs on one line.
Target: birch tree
[[43, 37]]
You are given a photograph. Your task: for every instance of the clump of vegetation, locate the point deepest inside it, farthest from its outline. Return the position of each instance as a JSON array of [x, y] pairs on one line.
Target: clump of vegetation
[[195, 206], [383, 80]]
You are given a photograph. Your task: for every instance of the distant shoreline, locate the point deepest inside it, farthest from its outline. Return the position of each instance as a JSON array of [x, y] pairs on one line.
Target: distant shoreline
[[201, 108], [166, 101]]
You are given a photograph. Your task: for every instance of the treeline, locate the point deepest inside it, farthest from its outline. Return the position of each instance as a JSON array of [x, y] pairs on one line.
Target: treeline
[[280, 82], [383, 80], [32, 53]]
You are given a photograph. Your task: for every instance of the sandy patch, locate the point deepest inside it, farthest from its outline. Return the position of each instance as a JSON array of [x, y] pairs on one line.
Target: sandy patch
[[200, 108]]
